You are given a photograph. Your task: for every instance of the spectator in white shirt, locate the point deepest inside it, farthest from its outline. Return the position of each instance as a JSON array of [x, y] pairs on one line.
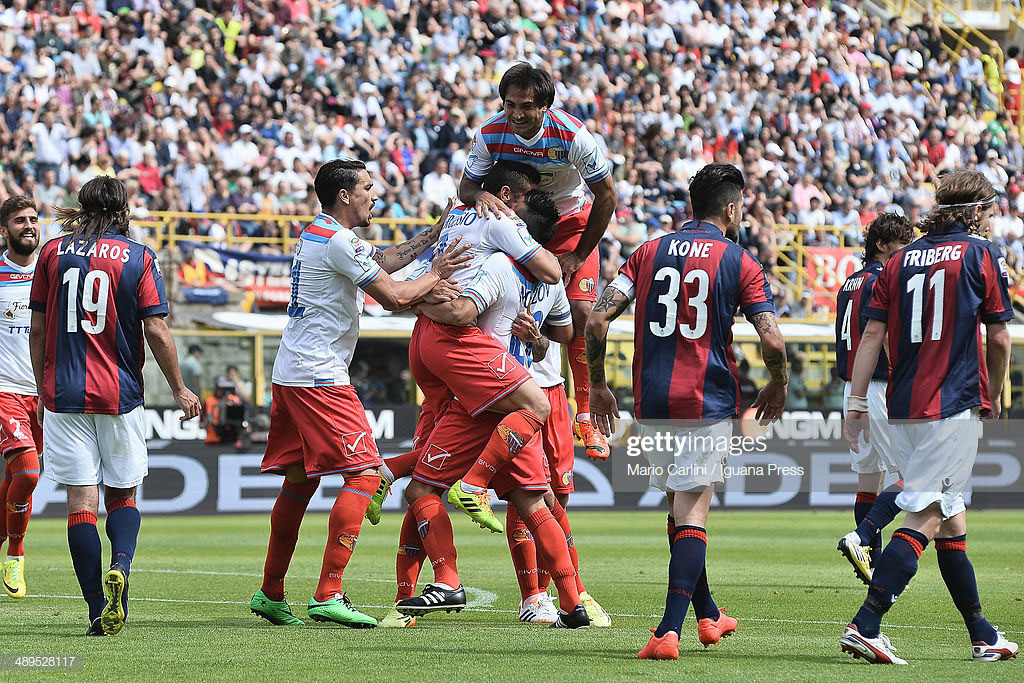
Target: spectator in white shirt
[[438, 185]]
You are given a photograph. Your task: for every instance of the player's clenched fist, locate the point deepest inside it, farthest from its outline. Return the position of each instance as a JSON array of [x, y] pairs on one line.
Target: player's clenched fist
[[451, 259], [189, 404]]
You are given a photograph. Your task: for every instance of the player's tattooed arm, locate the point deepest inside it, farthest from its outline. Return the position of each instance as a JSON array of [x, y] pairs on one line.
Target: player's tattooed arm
[[609, 307], [400, 255], [612, 303], [773, 348]]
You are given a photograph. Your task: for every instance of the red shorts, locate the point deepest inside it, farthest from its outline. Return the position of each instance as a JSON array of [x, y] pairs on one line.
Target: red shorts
[[324, 429], [583, 284], [457, 441], [19, 425], [464, 362], [556, 437]]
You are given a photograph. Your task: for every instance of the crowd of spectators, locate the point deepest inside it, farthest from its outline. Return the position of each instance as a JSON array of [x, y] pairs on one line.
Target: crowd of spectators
[[833, 115]]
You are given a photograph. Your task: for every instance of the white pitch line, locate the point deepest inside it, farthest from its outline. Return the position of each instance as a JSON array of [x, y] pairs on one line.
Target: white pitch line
[[470, 605]]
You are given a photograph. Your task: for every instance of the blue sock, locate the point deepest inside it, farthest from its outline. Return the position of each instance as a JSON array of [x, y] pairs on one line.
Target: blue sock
[[685, 567], [895, 568], [882, 512], [704, 606], [86, 553], [123, 522], [958, 573]]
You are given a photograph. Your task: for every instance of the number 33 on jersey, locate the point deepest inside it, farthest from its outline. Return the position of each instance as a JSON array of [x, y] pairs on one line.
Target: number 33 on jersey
[[687, 287], [98, 294]]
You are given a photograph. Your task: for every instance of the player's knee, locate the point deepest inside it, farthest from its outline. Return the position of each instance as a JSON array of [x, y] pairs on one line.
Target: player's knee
[[296, 475], [580, 311], [25, 481], [415, 490]]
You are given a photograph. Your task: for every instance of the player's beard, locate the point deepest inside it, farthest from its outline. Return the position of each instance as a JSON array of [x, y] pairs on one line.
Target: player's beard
[[733, 233], [23, 246]]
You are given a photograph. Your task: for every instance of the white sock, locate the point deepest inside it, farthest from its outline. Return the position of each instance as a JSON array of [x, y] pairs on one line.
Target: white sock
[[583, 417], [469, 488], [15, 557], [387, 474], [443, 585]]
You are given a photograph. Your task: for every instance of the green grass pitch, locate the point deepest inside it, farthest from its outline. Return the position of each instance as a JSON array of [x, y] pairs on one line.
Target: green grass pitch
[[777, 572]]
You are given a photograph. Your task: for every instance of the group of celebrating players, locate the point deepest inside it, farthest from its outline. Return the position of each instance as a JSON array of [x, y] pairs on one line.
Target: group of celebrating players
[[512, 276]]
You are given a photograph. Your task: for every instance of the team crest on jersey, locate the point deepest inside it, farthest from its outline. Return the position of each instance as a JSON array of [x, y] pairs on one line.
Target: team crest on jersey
[[554, 153], [587, 284], [511, 439], [435, 457], [355, 443], [501, 365]]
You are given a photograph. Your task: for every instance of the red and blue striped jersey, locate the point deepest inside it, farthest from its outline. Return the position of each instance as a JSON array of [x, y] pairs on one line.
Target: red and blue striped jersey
[[688, 286], [95, 296], [563, 151], [853, 299], [932, 294]]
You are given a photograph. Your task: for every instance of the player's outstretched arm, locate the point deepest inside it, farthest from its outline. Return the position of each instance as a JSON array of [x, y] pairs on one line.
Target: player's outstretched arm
[[37, 350], [395, 296], [400, 255], [161, 343], [871, 342], [603, 408], [601, 212], [771, 400], [997, 358]]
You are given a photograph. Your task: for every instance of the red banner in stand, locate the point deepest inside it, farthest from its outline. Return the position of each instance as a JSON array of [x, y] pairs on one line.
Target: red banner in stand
[[827, 270]]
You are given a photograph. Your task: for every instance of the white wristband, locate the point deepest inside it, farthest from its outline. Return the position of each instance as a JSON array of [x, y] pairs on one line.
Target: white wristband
[[857, 403]]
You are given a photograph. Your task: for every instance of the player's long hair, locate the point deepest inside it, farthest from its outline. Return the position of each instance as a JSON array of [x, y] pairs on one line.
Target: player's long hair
[[104, 207], [958, 197], [886, 228]]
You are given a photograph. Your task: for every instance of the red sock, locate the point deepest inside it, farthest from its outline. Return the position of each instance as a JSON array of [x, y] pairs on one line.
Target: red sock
[[509, 437], [434, 528], [284, 533], [343, 531], [580, 374], [401, 465], [410, 557], [553, 554], [5, 481], [524, 552], [23, 469], [558, 512]]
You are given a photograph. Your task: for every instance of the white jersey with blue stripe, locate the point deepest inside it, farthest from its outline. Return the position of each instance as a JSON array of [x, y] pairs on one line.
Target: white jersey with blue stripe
[[330, 269], [563, 151], [486, 236], [15, 318], [500, 291]]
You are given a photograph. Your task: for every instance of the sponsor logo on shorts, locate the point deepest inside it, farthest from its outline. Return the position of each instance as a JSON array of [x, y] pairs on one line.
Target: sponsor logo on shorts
[[435, 457], [587, 284], [501, 365], [512, 440], [423, 528], [566, 478], [348, 540], [355, 443]]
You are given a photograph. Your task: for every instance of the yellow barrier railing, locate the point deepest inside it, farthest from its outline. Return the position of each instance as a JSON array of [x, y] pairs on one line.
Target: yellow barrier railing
[[960, 37]]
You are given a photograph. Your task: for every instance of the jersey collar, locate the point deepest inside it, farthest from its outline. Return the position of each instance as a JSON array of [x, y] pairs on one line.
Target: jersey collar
[[11, 264], [701, 226]]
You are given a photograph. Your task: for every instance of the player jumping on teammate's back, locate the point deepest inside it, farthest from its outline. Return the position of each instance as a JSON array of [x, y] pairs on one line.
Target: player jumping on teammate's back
[[95, 295], [930, 301], [873, 510], [530, 131], [21, 436], [687, 286]]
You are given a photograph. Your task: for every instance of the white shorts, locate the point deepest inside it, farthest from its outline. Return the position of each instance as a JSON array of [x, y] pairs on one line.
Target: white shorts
[[876, 454], [698, 461], [82, 449], [936, 459]]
